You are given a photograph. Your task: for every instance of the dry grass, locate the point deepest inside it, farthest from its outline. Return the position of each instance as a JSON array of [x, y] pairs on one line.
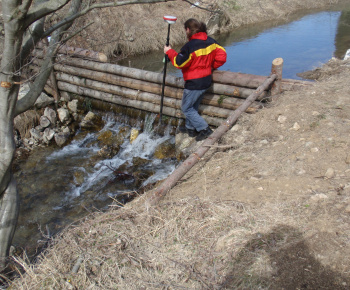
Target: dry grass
[[26, 121], [190, 243]]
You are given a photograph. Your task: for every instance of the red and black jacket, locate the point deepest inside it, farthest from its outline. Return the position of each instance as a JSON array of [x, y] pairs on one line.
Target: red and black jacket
[[197, 58]]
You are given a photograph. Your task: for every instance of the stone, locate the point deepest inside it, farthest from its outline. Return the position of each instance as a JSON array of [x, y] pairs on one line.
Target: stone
[[35, 134], [296, 126], [63, 115], [43, 101], [319, 196], [61, 138], [51, 115], [91, 120], [65, 97], [134, 134], [330, 173], [281, 119], [347, 160], [165, 150], [73, 106], [48, 135], [106, 138], [44, 122]]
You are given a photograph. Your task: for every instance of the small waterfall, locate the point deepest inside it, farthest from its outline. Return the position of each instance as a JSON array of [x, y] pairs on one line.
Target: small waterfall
[[110, 177]]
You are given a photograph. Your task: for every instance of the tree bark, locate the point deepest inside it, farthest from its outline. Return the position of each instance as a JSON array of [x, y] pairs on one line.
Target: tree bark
[[158, 193]]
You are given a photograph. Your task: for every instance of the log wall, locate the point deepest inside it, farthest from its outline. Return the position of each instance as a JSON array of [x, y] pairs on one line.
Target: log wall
[[141, 89]]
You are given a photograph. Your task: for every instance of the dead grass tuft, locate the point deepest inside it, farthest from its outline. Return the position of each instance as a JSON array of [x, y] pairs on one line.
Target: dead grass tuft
[[26, 121]]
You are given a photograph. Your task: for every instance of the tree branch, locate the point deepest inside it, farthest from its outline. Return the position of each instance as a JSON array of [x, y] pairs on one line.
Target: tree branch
[[41, 10]]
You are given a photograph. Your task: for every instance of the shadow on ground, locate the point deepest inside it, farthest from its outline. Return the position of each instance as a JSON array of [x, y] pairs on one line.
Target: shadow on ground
[[293, 266]]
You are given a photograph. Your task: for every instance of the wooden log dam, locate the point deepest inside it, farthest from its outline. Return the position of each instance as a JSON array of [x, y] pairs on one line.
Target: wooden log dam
[[88, 74]]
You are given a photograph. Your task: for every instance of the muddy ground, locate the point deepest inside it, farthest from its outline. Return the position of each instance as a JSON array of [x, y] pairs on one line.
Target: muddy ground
[[267, 208]]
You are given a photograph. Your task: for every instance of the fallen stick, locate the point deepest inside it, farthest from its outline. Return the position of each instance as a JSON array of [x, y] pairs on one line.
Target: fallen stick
[[195, 157]]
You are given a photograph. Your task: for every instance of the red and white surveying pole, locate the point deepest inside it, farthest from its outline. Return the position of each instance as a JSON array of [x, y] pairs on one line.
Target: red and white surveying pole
[[170, 20]]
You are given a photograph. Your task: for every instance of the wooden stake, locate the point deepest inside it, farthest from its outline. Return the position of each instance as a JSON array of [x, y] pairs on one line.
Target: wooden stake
[[277, 66]]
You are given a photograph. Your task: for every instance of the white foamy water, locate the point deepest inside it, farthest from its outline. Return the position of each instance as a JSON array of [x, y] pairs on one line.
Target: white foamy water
[[99, 176]]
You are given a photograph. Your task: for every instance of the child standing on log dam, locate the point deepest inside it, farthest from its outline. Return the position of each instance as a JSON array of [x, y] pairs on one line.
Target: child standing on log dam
[[197, 59]]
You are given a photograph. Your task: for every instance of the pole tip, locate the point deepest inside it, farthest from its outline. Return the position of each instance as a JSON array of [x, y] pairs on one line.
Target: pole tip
[[170, 19]]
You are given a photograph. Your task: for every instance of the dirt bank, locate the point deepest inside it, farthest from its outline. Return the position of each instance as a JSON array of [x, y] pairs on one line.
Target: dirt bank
[[138, 29], [268, 208]]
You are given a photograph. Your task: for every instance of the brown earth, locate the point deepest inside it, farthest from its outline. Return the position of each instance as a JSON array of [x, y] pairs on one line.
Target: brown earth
[[267, 208]]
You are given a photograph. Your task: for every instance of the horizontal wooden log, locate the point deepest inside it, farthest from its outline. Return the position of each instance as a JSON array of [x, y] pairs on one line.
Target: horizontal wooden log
[[70, 88], [77, 52], [221, 101], [240, 80], [137, 95], [154, 77], [218, 89], [126, 80]]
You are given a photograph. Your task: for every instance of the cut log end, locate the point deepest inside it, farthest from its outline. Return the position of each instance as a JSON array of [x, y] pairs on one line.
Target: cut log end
[[102, 57], [277, 61]]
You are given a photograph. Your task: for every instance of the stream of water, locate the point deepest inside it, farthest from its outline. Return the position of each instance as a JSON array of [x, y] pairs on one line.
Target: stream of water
[[58, 186]]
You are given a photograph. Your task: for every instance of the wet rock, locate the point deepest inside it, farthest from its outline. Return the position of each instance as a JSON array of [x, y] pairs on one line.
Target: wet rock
[[44, 122], [106, 138], [165, 150], [63, 115], [138, 161], [133, 134], [51, 115], [78, 177], [108, 152], [61, 138], [91, 121]]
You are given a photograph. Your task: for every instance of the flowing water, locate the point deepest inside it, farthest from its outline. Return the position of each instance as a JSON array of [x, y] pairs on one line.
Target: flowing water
[[59, 186]]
